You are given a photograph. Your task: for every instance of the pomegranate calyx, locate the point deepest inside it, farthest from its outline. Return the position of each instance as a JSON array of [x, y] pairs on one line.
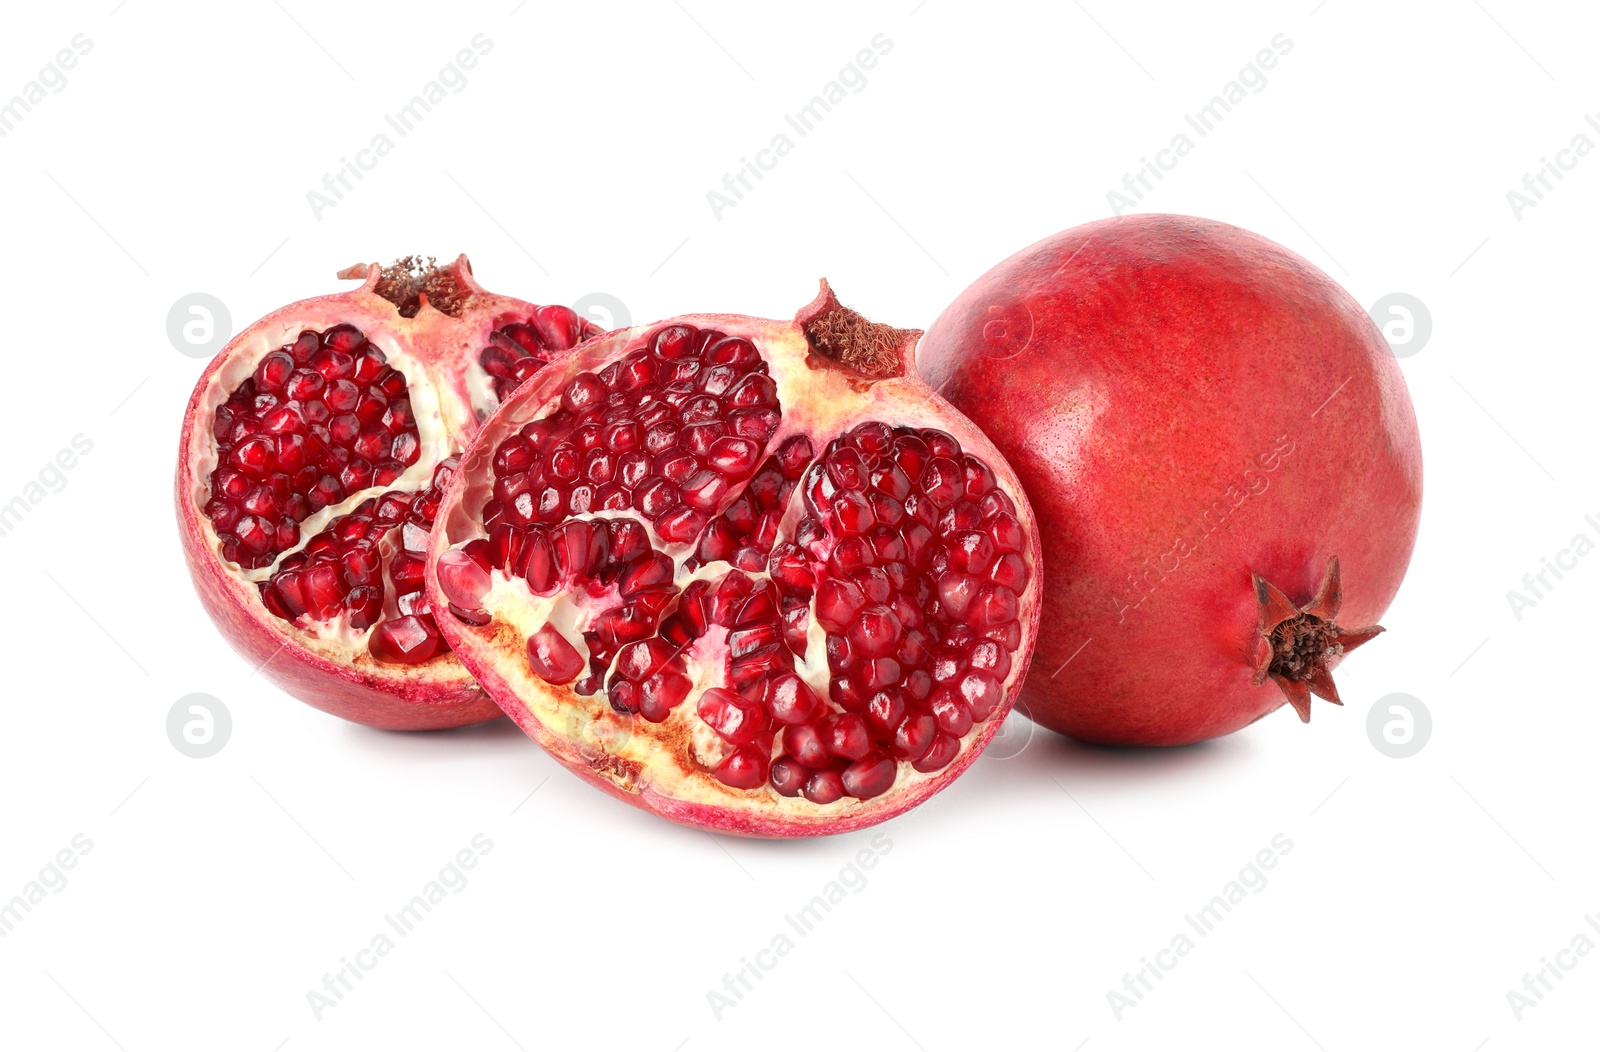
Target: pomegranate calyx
[[1298, 644], [840, 335], [414, 282]]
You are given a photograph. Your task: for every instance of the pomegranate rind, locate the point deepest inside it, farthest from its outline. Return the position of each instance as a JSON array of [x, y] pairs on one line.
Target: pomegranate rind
[[622, 755], [1104, 357], [330, 668]]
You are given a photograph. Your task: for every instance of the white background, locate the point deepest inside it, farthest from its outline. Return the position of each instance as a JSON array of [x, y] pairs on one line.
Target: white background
[[577, 159]]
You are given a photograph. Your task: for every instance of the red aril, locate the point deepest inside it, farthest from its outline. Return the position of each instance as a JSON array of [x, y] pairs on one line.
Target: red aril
[[750, 575], [1223, 458], [315, 451]]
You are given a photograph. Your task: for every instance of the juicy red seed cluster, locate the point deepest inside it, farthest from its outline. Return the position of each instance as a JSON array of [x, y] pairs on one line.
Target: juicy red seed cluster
[[746, 531], [667, 432], [918, 588], [341, 571], [907, 550], [320, 419], [518, 349], [610, 553]]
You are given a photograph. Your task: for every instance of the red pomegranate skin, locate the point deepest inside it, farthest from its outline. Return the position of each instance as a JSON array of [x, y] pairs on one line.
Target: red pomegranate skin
[[1187, 404]]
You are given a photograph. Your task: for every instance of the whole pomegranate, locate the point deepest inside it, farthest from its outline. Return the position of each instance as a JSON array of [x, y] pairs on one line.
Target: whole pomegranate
[[314, 453], [750, 575], [1223, 459]]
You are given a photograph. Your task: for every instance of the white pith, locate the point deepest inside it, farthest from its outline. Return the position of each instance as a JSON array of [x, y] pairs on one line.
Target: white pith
[[818, 402], [480, 385]]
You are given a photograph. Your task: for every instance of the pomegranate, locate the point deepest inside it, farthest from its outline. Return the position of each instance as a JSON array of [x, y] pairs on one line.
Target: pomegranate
[[749, 575], [1224, 460], [314, 453]]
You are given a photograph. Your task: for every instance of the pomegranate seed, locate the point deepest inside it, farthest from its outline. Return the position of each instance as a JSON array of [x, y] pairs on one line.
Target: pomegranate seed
[[956, 592], [733, 457], [980, 692], [824, 787], [869, 776], [884, 712], [639, 661], [939, 754], [663, 692], [343, 338], [996, 605], [838, 602], [356, 475], [942, 481], [364, 605], [758, 422], [406, 571], [1009, 570], [369, 364], [255, 457], [788, 776], [875, 631], [1007, 532], [790, 700], [730, 716], [372, 444], [805, 742], [305, 346], [341, 396], [322, 589], [847, 736], [406, 448], [979, 478], [333, 364], [538, 563], [680, 525], [273, 371], [552, 658], [462, 579], [913, 736], [951, 713], [743, 768], [704, 490], [254, 533], [583, 391]]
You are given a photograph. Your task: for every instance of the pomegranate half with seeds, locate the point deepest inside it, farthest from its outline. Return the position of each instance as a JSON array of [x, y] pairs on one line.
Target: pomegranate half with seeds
[[315, 450], [750, 575]]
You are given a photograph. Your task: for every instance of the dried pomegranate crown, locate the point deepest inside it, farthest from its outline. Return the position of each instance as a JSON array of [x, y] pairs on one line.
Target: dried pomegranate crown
[[1300, 644]]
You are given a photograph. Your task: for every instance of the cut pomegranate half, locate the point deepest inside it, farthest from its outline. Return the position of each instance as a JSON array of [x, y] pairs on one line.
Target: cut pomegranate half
[[314, 453], [750, 575]]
